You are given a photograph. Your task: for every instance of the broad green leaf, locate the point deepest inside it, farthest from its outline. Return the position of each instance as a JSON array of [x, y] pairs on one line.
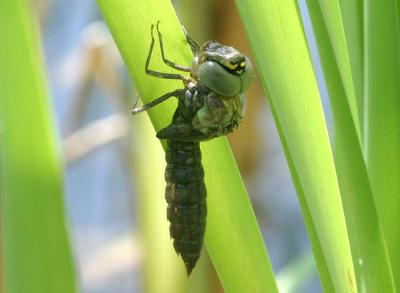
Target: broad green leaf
[[37, 256], [382, 65], [231, 224], [372, 265], [278, 42]]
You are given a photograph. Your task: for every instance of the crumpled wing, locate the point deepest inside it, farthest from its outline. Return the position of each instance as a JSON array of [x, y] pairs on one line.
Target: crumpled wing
[[182, 132]]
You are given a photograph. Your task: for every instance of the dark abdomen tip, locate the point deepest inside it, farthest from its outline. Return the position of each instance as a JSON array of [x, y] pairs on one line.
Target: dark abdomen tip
[[185, 194]]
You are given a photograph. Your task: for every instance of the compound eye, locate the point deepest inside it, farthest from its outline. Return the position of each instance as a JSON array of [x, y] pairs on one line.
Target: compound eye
[[215, 77], [247, 75]]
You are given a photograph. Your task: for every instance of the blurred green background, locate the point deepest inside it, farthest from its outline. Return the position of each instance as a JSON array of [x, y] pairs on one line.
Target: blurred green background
[[91, 201]]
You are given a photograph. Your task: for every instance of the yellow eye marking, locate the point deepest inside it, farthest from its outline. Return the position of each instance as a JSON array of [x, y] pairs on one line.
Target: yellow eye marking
[[230, 65], [243, 64]]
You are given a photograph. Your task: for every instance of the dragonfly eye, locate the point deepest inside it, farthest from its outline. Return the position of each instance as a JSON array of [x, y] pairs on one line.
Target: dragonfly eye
[[247, 75], [215, 76], [223, 69], [226, 78]]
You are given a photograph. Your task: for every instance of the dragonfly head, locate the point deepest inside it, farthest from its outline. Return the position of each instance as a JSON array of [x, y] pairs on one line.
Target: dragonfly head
[[223, 69]]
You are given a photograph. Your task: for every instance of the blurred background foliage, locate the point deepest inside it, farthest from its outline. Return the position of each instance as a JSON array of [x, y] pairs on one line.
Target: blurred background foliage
[[114, 197]]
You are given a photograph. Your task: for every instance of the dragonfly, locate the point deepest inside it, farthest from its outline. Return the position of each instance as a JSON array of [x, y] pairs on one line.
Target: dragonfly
[[210, 104]]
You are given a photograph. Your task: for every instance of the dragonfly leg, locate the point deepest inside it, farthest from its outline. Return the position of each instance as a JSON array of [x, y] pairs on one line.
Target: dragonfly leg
[[176, 93], [192, 43], [166, 61], [160, 74]]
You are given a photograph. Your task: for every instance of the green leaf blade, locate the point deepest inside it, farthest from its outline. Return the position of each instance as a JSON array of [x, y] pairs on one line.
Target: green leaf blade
[[352, 12], [37, 256], [278, 42], [348, 65], [369, 253], [382, 129]]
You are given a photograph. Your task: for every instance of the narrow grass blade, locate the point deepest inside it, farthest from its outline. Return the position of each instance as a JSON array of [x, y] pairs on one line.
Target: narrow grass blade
[[353, 26], [382, 130], [2, 285], [341, 40], [36, 250], [369, 253], [233, 239], [278, 42]]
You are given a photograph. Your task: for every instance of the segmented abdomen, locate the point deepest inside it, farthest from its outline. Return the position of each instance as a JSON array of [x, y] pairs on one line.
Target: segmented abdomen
[[186, 196]]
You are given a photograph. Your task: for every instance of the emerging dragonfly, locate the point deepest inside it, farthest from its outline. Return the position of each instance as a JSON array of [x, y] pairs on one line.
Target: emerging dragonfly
[[211, 104]]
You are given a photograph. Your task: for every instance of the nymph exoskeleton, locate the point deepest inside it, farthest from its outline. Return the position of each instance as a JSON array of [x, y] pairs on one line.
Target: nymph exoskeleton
[[211, 104]]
